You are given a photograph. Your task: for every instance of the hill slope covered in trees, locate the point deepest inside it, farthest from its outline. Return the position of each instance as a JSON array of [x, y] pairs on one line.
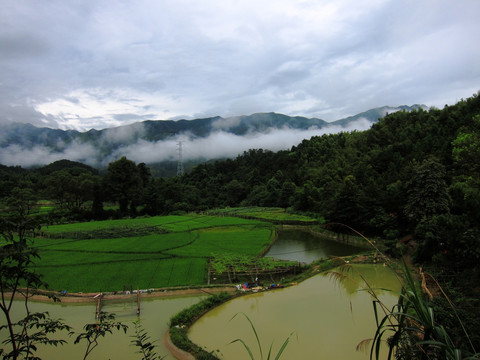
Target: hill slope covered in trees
[[414, 176], [154, 141]]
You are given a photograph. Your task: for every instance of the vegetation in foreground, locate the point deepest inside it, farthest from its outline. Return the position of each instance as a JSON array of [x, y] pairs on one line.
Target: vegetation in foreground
[[413, 179]]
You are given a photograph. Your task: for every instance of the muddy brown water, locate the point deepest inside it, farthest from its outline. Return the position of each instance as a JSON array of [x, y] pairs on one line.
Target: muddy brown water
[[328, 319], [154, 317]]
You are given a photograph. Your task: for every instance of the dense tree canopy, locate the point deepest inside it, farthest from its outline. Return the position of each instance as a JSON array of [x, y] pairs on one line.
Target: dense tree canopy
[[413, 175], [403, 173]]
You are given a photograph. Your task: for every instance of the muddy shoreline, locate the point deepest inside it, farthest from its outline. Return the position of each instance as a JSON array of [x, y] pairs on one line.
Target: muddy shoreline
[[52, 296]]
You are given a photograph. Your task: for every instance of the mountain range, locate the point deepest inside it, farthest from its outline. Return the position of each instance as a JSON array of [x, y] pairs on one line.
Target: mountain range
[[163, 141]]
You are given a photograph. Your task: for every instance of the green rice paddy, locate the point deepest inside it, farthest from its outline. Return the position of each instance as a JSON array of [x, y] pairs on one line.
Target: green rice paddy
[[277, 215], [146, 253]]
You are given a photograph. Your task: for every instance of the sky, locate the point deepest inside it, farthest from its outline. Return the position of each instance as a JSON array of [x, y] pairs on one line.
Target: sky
[[99, 64]]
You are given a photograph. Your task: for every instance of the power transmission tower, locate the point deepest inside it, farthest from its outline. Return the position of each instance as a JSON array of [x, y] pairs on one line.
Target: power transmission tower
[[180, 159]]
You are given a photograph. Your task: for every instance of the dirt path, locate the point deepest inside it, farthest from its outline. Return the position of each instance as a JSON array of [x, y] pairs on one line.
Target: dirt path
[[91, 297], [179, 354]]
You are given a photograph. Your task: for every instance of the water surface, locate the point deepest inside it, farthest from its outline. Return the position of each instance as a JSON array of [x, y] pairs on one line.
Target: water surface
[[298, 245], [314, 310], [154, 316], [328, 319]]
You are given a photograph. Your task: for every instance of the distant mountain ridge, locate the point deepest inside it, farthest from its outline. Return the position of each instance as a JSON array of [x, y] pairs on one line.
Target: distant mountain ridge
[[27, 145]]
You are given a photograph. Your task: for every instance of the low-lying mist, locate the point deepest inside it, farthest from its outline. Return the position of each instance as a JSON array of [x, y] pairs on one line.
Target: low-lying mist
[[219, 144]]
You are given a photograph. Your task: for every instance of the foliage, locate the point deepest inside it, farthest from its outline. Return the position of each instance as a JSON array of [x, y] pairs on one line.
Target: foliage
[[411, 328], [71, 188], [179, 337], [123, 183], [249, 351], [180, 322], [145, 347], [105, 325], [189, 315], [427, 192], [33, 330], [18, 278]]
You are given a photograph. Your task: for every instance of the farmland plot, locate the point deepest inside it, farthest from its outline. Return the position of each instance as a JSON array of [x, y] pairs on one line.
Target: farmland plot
[[174, 252]]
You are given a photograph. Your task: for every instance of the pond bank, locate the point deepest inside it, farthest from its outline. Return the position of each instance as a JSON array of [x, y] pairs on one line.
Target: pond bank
[[179, 330], [178, 353], [330, 235], [50, 296]]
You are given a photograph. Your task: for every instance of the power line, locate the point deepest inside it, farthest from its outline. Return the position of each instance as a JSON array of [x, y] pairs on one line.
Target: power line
[[180, 170]]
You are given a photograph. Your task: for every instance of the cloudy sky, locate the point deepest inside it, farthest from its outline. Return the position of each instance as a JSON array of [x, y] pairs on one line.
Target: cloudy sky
[[98, 63]]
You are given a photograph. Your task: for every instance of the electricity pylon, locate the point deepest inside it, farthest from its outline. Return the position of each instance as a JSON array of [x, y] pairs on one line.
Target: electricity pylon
[[180, 159]]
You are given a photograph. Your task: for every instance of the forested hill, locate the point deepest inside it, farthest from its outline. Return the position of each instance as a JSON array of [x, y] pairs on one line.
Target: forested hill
[[414, 178], [154, 141], [411, 173]]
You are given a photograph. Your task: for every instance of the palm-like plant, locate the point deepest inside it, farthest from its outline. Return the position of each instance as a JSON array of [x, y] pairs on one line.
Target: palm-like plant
[[411, 329]]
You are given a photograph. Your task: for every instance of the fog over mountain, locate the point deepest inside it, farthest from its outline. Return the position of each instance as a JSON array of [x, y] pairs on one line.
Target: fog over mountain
[[158, 141], [76, 65]]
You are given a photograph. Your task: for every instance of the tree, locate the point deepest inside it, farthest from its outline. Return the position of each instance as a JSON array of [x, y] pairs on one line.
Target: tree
[[348, 207], [466, 150], [123, 183], [427, 191], [70, 188], [287, 194], [17, 278], [234, 192], [92, 332], [307, 198], [144, 173]]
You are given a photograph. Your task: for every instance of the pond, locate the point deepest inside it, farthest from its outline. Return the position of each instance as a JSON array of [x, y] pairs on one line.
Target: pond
[[328, 319], [275, 313], [298, 245], [155, 314]]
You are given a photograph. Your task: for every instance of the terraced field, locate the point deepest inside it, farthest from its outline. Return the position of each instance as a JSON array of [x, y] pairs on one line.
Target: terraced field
[[145, 252], [275, 215]]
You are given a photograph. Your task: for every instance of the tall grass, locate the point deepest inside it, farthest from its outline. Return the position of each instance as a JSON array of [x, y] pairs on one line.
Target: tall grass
[[257, 338], [409, 329]]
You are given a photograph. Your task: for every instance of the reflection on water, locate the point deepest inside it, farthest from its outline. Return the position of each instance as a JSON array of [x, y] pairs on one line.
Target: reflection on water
[[297, 245], [328, 319], [154, 317], [317, 310]]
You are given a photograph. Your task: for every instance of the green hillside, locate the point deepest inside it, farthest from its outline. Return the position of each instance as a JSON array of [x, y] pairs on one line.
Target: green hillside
[[413, 180]]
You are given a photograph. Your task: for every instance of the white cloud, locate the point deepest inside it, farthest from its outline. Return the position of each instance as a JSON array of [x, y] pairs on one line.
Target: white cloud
[[92, 63], [101, 108], [220, 144], [15, 154]]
